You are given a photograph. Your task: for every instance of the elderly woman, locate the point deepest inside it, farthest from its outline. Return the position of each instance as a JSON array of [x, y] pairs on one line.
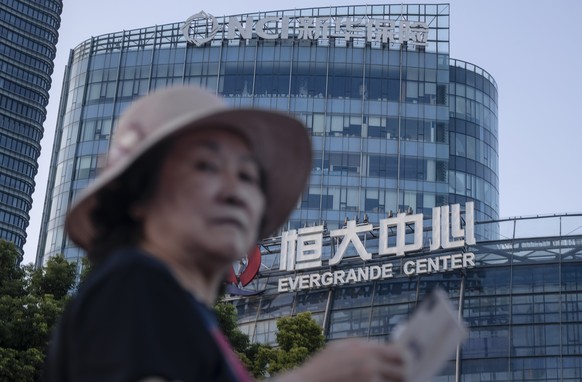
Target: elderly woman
[[189, 187]]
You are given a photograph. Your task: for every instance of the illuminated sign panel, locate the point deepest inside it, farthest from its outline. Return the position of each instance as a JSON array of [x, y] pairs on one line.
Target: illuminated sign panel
[[302, 249], [203, 27]]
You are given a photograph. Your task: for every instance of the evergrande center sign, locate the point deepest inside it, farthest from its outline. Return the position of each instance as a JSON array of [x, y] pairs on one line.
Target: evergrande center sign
[[203, 27], [301, 249]]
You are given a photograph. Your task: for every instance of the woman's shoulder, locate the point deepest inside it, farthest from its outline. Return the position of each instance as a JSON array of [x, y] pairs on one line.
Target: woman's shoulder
[[129, 277], [130, 311], [125, 265]]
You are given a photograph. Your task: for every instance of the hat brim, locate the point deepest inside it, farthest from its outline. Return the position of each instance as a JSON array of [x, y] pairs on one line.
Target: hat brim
[[280, 144]]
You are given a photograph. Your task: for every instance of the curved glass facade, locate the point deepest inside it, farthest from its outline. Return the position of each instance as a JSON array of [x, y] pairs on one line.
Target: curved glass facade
[[373, 84], [28, 38], [399, 129], [520, 297]]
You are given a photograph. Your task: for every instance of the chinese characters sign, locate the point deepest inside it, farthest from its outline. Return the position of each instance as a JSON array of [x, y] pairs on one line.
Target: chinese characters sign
[[302, 249], [204, 27]]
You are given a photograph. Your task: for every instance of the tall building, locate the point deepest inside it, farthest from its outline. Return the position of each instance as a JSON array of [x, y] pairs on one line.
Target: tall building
[[397, 125], [519, 295], [28, 38], [403, 194]]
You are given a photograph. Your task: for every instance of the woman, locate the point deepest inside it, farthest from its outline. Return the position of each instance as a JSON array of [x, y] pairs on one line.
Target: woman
[[189, 187]]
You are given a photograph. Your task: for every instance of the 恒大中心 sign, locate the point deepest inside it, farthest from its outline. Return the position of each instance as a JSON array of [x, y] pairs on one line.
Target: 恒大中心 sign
[[203, 27], [302, 249]]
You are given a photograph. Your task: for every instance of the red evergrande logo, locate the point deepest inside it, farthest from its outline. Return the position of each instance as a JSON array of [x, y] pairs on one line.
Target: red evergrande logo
[[249, 267]]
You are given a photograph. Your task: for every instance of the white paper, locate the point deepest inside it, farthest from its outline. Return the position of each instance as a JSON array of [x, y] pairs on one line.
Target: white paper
[[430, 337]]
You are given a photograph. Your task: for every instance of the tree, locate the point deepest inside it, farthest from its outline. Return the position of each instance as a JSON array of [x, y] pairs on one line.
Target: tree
[[298, 338], [226, 315], [241, 343], [56, 278], [11, 275], [31, 302], [300, 331]]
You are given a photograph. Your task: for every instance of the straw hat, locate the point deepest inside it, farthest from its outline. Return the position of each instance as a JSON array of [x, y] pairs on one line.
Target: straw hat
[[279, 142]]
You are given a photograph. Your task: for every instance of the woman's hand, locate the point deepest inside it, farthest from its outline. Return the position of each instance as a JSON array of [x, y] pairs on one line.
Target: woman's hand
[[351, 360]]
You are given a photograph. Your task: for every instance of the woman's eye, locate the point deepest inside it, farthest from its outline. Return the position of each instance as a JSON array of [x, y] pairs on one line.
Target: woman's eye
[[205, 166], [248, 177]]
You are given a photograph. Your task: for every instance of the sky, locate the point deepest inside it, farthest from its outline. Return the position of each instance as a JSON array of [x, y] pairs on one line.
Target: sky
[[531, 48]]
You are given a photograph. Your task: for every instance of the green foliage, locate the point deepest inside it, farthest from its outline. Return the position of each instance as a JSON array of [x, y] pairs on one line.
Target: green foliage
[[300, 331], [277, 359], [12, 282], [20, 365], [226, 315], [56, 278], [298, 338], [26, 322], [254, 363], [31, 302]]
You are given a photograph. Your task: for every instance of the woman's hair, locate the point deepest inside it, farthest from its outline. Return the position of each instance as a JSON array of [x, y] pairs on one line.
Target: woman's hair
[[112, 217]]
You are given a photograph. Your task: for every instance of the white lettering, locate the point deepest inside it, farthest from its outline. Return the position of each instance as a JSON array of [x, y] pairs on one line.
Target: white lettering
[[381, 30], [468, 260], [417, 33], [303, 281], [363, 274], [260, 28], [408, 268], [456, 231], [433, 265], [457, 261], [435, 243], [470, 223], [350, 234], [444, 261], [284, 27], [309, 244], [387, 271], [351, 28], [294, 283], [439, 264], [351, 276], [283, 285], [441, 230], [203, 27], [327, 279], [400, 222], [306, 28], [421, 266], [314, 280], [245, 32], [338, 276], [375, 272], [287, 258]]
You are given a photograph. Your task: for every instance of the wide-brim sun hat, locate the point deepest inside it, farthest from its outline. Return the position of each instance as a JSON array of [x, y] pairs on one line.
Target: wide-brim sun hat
[[279, 142]]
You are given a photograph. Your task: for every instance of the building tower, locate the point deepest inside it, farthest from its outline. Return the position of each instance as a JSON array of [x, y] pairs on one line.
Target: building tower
[[396, 124], [28, 38]]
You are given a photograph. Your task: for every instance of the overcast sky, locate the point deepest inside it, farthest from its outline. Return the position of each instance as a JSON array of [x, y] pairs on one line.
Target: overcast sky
[[531, 48]]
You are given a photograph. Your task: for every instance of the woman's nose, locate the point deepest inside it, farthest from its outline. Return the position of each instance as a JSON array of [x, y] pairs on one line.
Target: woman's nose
[[230, 191]]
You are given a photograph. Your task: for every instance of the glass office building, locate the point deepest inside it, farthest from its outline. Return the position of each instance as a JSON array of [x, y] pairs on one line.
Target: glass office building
[[396, 124], [520, 296], [28, 38], [404, 137]]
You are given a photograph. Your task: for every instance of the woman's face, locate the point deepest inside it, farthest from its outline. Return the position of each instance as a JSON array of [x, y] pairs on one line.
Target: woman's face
[[208, 200]]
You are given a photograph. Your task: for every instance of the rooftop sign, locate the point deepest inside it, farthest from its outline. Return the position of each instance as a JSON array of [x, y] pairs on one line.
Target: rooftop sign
[[302, 249], [203, 27]]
